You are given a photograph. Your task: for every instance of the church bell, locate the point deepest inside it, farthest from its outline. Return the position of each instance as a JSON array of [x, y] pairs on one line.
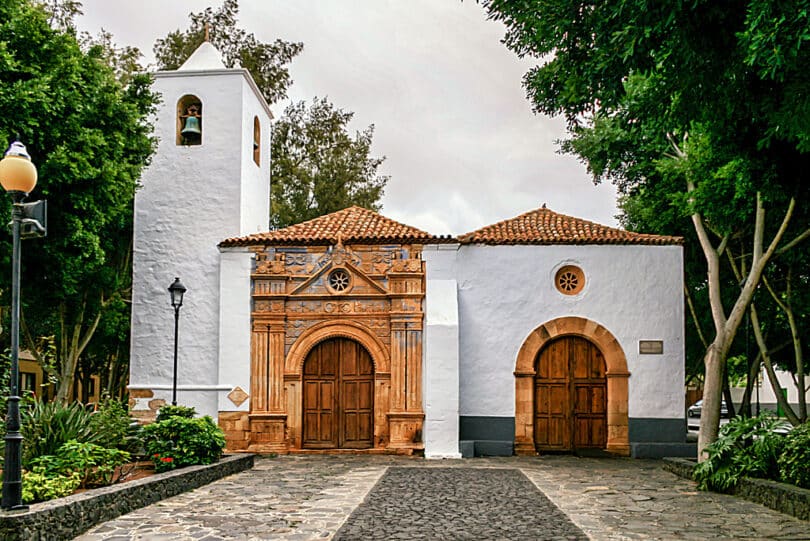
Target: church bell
[[191, 128]]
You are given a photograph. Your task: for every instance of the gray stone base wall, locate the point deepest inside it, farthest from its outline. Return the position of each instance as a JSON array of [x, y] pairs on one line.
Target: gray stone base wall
[[657, 438], [486, 436], [653, 430], [649, 437], [66, 518], [782, 497]]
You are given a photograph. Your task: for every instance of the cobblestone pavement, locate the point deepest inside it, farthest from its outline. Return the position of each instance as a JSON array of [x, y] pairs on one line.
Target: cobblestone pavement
[[457, 503], [311, 497]]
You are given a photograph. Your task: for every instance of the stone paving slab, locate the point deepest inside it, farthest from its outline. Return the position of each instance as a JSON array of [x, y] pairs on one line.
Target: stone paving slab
[[311, 497], [295, 498], [620, 499], [457, 503]]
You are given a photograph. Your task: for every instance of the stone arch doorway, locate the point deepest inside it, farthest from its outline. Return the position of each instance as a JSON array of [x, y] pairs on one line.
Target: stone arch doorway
[[616, 374], [570, 396], [338, 396]]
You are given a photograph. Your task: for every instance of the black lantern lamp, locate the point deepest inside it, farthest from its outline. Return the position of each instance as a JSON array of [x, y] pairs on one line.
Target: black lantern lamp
[[176, 290], [18, 176]]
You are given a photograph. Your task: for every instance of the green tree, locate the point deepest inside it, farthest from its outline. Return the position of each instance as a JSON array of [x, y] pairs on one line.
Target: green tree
[[266, 62], [89, 136], [695, 110], [318, 167]]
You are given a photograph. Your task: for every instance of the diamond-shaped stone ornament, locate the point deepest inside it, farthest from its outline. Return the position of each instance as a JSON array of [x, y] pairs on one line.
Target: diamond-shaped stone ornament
[[237, 396]]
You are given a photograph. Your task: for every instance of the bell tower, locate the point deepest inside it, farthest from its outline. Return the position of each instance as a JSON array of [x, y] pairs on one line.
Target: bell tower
[[209, 180]]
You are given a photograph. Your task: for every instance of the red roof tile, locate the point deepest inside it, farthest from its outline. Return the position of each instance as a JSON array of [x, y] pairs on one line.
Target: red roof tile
[[353, 224], [544, 226]]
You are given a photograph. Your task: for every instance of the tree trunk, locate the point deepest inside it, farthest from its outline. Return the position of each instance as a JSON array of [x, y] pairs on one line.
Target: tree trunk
[[726, 327], [71, 349], [712, 388], [732, 412], [750, 384], [786, 306], [766, 358]]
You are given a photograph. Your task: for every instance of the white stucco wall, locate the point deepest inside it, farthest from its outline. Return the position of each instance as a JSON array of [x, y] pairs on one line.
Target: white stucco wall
[[440, 342], [234, 325], [192, 197], [766, 393], [505, 292], [255, 192]]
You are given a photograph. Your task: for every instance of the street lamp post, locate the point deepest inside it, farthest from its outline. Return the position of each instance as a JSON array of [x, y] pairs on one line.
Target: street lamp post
[[18, 177], [176, 290]]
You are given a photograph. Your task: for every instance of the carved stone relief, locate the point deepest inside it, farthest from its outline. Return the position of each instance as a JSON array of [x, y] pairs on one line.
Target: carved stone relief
[[290, 293]]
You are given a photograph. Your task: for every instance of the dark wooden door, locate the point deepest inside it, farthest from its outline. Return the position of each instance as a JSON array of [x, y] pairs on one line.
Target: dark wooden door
[[338, 396], [570, 396]]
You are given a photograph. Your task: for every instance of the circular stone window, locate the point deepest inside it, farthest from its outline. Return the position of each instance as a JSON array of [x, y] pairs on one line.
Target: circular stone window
[[569, 280], [339, 280]]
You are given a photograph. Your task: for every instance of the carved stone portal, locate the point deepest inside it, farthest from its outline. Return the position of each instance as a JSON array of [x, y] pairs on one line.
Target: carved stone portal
[[305, 295]]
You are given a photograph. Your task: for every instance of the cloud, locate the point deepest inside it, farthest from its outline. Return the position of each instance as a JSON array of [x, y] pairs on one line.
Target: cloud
[[463, 147]]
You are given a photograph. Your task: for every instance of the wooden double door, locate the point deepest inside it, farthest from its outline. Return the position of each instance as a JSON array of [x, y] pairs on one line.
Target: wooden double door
[[338, 396], [570, 396]]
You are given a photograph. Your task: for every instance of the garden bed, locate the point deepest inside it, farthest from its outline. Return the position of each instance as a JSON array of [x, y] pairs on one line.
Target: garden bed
[[781, 497], [66, 518]]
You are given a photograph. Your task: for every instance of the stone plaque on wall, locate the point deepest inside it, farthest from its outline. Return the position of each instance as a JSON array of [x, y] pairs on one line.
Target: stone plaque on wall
[[651, 347]]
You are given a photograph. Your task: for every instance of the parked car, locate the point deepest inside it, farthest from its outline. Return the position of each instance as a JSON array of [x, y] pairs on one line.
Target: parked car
[[694, 409]]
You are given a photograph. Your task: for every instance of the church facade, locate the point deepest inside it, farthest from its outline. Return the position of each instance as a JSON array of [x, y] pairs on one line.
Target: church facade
[[355, 333]]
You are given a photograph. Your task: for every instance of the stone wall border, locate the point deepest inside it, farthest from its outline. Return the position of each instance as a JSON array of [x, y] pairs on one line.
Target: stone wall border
[[66, 518], [782, 497]]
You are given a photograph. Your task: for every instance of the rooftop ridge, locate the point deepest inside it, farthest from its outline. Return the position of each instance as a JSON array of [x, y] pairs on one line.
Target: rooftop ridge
[[352, 224], [543, 226]]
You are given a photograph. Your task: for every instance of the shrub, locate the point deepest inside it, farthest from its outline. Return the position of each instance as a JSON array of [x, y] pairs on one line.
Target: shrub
[[113, 425], [95, 465], [48, 426], [38, 486], [175, 411], [179, 441], [745, 447], [794, 462]]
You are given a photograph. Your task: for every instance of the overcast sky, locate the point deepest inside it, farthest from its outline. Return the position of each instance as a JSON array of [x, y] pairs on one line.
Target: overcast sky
[[463, 147]]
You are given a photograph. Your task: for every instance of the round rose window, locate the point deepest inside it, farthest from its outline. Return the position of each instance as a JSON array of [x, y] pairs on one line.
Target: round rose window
[[339, 280], [569, 280]]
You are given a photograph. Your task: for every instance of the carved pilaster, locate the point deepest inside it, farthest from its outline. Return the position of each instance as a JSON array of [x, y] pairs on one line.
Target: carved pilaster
[[267, 366], [413, 369], [399, 353]]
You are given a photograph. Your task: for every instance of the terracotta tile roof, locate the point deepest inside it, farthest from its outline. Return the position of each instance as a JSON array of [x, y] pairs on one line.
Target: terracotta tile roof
[[544, 226], [353, 224]]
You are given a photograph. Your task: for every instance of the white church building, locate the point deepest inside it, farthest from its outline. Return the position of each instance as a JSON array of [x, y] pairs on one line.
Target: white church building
[[542, 333]]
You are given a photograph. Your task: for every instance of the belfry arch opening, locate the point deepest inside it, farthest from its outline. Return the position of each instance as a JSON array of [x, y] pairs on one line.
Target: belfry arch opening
[[257, 141], [189, 120]]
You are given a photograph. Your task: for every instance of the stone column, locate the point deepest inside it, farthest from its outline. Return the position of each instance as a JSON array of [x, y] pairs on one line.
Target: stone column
[[524, 413]]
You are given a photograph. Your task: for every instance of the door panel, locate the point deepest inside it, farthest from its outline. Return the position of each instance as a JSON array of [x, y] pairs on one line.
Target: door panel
[[357, 397], [551, 399], [338, 396], [570, 396]]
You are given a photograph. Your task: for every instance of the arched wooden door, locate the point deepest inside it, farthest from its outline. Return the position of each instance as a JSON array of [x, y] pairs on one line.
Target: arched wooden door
[[338, 396], [570, 396]]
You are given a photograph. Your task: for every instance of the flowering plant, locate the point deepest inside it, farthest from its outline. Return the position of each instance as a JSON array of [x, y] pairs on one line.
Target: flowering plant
[[179, 441]]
